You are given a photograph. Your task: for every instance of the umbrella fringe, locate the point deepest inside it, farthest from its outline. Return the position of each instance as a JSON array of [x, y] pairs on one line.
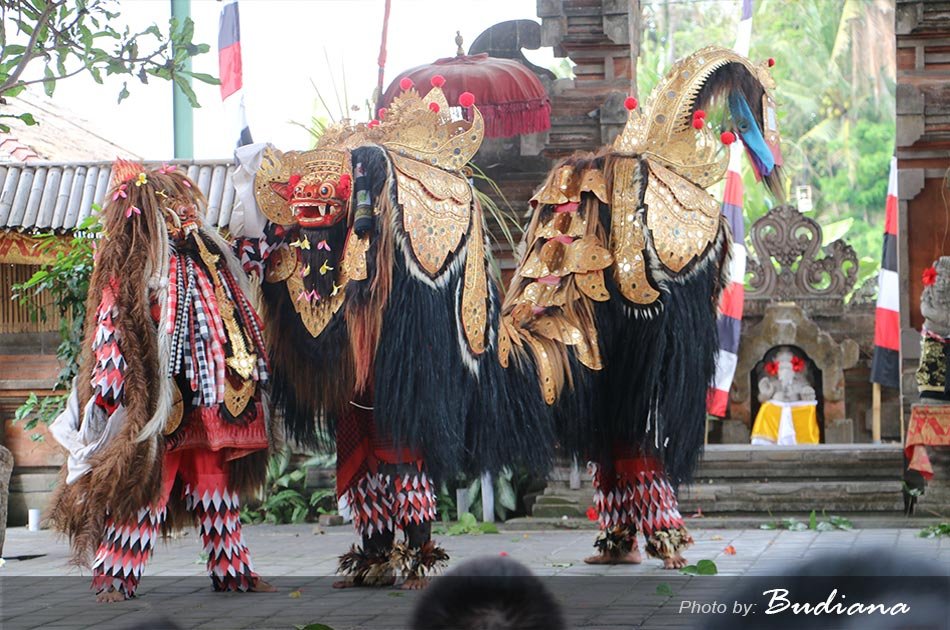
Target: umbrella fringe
[[516, 118]]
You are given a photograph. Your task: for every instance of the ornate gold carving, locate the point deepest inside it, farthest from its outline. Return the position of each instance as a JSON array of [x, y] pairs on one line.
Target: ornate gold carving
[[682, 218], [593, 181], [627, 241], [412, 129], [565, 186], [557, 328], [238, 359], [437, 182], [354, 257], [435, 226], [504, 340], [177, 411], [544, 366], [275, 167], [315, 315], [556, 188], [544, 295], [563, 224], [237, 398], [664, 128], [475, 288], [280, 264], [555, 258], [592, 285]]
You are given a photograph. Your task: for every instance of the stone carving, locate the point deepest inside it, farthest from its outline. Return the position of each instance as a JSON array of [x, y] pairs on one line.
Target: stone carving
[[935, 299], [789, 264], [935, 336], [866, 294], [785, 377], [6, 468], [787, 324]]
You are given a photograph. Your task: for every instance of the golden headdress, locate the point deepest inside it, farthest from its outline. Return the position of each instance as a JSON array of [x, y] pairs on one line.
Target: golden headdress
[[665, 130], [415, 127]]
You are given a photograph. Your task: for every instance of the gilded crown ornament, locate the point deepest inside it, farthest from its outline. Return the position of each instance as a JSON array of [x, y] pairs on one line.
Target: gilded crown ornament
[[671, 130], [415, 127], [423, 128]]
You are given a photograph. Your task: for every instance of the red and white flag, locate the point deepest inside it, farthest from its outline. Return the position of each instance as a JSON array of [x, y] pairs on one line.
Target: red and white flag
[[229, 67], [733, 298], [885, 366]]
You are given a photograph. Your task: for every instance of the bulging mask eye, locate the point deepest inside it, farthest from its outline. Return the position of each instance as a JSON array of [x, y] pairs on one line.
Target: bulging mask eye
[[327, 190]]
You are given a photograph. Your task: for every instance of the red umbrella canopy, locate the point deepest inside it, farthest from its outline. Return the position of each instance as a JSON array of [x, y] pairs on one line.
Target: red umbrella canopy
[[509, 96]]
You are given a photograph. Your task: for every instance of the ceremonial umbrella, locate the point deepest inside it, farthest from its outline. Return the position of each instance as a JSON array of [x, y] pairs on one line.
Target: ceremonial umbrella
[[509, 95]]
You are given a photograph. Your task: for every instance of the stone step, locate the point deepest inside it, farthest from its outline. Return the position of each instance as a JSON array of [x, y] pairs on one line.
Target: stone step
[[743, 462], [737, 520], [758, 497]]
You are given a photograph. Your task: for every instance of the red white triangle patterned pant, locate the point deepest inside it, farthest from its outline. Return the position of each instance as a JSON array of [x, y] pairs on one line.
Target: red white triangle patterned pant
[[126, 547], [638, 497]]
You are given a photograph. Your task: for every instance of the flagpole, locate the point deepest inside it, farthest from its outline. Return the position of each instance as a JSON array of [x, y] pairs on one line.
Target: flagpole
[[381, 61], [182, 113], [876, 413]]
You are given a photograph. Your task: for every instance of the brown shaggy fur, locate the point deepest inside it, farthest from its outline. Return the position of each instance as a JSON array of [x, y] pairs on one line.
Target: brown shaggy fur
[[365, 320], [126, 475]]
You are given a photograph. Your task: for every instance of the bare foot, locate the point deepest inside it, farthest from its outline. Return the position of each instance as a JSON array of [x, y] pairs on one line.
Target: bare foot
[[260, 586], [415, 583], [632, 557], [110, 597], [676, 562]]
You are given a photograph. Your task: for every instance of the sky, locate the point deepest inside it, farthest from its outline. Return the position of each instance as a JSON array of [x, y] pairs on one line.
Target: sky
[[286, 44]]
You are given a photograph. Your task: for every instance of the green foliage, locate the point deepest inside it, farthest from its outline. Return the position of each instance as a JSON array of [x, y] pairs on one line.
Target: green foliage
[[70, 37], [935, 531], [285, 498], [703, 567], [508, 487], [791, 524], [66, 279], [795, 525], [468, 524]]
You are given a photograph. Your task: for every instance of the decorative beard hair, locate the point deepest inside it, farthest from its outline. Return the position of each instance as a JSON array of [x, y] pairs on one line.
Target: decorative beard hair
[[324, 257]]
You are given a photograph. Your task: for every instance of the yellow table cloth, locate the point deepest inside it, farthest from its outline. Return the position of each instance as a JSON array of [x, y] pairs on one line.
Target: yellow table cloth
[[786, 423]]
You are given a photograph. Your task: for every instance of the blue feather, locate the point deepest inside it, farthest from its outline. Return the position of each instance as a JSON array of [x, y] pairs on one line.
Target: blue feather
[[759, 151]]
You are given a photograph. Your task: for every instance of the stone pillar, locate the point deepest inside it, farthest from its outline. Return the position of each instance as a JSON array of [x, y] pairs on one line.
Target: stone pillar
[[6, 469]]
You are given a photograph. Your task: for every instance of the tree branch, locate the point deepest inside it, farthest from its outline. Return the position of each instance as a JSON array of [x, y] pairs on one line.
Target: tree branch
[[29, 54], [34, 81]]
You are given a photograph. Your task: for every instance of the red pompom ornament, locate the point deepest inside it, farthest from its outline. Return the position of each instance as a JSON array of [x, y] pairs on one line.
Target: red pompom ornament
[[381, 114], [405, 83], [798, 364], [929, 276], [697, 123], [434, 107], [437, 81], [727, 137], [771, 368], [630, 103], [466, 99], [343, 186], [699, 114], [592, 513], [771, 61], [373, 124]]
